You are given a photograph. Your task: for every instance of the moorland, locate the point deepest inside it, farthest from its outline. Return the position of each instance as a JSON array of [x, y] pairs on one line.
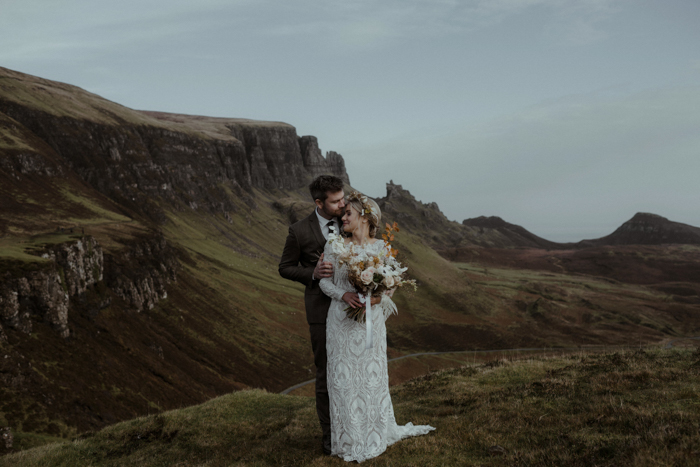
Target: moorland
[[138, 274]]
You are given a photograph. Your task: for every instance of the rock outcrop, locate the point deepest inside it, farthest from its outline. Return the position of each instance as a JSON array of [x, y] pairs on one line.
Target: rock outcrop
[[45, 292], [316, 164], [80, 263], [140, 273], [429, 223]]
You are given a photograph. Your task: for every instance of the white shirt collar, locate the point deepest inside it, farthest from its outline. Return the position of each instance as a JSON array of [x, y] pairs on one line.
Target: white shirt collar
[[323, 222]]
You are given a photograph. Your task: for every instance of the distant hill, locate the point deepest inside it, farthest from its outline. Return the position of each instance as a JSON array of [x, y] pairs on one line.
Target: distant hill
[[517, 235], [648, 229], [429, 223]]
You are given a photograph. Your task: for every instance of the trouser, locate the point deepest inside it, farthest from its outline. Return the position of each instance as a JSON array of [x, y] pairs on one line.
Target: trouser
[[318, 344]]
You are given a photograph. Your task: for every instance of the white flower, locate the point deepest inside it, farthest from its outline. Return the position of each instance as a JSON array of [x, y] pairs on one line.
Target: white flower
[[367, 275], [389, 281]]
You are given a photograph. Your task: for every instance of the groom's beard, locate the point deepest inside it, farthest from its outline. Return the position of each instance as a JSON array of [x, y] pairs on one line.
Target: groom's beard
[[335, 215]]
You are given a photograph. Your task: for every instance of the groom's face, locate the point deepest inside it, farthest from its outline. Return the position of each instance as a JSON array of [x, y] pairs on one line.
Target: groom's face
[[334, 205]]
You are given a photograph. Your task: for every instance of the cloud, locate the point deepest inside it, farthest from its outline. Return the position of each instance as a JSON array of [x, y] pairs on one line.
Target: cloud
[[44, 30], [30, 29]]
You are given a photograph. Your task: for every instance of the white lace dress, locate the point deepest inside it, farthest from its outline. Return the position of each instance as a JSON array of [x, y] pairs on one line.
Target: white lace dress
[[362, 415]]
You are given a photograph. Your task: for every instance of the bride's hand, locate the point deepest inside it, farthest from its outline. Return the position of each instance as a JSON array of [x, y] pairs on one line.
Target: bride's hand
[[352, 299], [375, 300]]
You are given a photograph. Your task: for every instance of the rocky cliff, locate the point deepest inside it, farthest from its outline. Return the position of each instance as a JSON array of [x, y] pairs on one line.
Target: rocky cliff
[[139, 275], [44, 290], [140, 159], [44, 293]]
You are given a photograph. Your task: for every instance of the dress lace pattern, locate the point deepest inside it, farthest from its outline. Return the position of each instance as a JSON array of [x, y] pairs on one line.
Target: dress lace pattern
[[362, 415]]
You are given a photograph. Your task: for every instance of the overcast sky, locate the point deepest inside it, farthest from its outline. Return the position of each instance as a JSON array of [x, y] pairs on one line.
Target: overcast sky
[[564, 116]]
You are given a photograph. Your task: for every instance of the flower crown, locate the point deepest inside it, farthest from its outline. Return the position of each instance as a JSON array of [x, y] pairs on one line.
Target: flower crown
[[366, 207]]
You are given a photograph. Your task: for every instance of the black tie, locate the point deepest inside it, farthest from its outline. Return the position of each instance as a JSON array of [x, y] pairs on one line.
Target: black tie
[[329, 226]]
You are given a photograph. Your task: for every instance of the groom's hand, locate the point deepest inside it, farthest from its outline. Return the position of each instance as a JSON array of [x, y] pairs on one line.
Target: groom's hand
[[323, 268]]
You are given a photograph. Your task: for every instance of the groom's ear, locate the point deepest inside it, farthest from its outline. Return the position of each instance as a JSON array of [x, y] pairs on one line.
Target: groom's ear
[[319, 203]]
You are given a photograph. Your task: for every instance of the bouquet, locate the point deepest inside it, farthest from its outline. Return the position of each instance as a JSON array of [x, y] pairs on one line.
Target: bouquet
[[372, 274]]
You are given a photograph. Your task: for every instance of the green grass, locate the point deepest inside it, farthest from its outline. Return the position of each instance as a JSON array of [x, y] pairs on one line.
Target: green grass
[[24, 249], [636, 408], [99, 214], [11, 138]]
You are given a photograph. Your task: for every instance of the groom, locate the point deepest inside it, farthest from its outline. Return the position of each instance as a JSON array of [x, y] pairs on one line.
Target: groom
[[302, 261]]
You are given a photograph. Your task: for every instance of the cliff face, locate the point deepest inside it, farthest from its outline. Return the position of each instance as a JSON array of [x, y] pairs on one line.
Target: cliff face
[[423, 220], [138, 275], [138, 158], [45, 293]]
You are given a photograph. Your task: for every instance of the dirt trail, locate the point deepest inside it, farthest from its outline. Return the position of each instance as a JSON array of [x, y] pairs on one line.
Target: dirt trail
[[539, 349]]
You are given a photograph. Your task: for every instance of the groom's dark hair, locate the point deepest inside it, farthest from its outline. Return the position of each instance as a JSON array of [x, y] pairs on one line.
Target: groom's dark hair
[[324, 184]]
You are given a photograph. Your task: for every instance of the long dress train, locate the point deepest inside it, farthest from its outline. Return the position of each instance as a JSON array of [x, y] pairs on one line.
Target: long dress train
[[362, 415]]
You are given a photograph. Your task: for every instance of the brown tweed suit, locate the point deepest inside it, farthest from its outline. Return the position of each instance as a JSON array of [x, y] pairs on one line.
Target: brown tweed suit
[[302, 249]]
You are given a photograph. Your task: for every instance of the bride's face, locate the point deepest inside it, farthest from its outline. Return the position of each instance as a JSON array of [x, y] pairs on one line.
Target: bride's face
[[351, 219]]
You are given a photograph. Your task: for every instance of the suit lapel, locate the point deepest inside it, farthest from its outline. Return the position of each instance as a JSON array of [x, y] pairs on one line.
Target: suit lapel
[[316, 229]]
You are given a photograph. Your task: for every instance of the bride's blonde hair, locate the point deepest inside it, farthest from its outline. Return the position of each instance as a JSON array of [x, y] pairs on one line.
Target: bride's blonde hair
[[368, 209]]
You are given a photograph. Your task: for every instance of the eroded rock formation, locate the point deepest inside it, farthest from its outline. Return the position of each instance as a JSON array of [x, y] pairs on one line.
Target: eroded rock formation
[[140, 273], [45, 293], [139, 276]]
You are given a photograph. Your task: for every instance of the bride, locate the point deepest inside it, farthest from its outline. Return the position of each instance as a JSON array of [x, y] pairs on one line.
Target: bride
[[362, 415]]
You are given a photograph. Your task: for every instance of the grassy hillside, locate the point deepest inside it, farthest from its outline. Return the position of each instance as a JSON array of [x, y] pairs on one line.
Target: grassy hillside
[[231, 322], [226, 320], [636, 408]]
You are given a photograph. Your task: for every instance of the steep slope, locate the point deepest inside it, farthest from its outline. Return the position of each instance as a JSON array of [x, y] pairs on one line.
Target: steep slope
[[137, 158]]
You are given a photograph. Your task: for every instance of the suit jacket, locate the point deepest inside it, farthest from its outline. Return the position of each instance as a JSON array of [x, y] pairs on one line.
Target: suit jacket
[[302, 249]]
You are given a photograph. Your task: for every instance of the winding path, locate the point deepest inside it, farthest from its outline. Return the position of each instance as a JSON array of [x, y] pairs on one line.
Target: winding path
[[669, 345]]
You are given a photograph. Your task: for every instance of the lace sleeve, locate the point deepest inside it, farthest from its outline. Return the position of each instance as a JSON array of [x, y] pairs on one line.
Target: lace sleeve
[[327, 285]]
